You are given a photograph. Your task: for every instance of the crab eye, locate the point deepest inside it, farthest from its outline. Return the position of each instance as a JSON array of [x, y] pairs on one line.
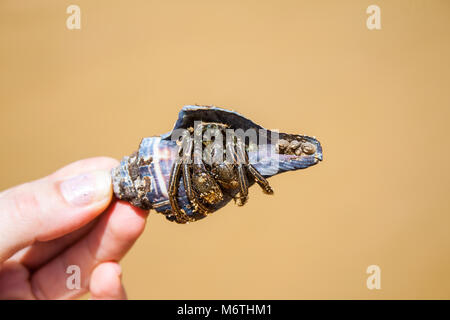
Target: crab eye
[[308, 148]]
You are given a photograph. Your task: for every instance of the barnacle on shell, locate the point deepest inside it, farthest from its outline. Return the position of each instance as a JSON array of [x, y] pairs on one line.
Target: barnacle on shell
[[144, 178]]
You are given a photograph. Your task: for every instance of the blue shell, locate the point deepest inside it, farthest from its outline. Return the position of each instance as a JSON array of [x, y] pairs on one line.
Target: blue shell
[[143, 177]]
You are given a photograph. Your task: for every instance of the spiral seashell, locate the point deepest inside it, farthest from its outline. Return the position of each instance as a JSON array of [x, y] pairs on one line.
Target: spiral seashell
[[144, 178]]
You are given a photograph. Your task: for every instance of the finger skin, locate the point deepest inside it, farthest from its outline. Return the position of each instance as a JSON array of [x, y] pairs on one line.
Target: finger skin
[[106, 282], [37, 211], [110, 239], [14, 282], [39, 253]]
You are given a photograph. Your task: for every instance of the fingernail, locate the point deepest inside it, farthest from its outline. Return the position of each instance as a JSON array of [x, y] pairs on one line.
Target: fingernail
[[87, 188]]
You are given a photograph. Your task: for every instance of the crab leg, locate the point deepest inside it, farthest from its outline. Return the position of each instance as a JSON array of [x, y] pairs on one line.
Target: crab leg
[[260, 180], [174, 182], [198, 206], [242, 197]]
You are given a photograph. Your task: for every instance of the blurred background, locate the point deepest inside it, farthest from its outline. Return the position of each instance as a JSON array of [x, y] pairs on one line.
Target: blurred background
[[378, 100]]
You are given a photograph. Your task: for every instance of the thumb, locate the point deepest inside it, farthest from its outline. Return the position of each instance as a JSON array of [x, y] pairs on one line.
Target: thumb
[[48, 208]]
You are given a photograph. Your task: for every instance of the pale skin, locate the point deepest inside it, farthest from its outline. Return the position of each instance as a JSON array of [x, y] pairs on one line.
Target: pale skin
[[49, 224]]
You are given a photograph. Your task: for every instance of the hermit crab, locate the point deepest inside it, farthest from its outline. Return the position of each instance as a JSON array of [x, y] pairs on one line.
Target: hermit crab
[[211, 156]]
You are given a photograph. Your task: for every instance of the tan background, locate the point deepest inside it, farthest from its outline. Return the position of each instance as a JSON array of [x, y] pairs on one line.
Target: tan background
[[379, 101]]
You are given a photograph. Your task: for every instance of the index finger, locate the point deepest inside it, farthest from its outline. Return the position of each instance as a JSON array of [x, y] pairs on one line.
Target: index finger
[[50, 207]]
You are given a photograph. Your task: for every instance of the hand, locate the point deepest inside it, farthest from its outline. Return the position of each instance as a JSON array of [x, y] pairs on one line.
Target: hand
[[52, 223]]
